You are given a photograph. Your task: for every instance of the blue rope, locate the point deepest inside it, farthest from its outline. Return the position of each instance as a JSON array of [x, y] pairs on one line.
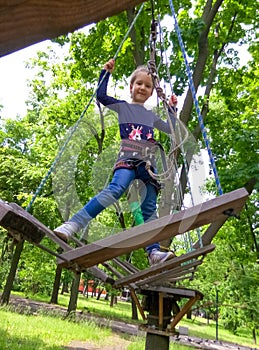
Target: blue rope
[[72, 131], [191, 85]]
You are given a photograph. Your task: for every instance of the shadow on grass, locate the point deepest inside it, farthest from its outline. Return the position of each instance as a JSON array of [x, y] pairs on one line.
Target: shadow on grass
[[8, 341]]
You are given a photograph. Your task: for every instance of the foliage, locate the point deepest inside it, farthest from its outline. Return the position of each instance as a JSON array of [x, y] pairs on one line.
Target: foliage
[[60, 92]]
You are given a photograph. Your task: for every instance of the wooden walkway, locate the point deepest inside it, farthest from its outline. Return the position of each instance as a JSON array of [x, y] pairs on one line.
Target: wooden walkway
[[22, 225], [159, 283], [214, 211]]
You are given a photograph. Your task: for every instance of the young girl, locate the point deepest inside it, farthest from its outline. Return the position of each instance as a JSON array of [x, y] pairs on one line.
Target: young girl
[[136, 125]]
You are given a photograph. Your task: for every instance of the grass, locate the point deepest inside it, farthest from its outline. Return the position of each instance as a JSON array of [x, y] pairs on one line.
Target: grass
[[46, 332], [30, 332], [199, 328]]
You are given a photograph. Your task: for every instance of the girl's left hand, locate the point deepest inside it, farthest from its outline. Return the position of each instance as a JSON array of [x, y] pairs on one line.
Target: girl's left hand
[[173, 100]]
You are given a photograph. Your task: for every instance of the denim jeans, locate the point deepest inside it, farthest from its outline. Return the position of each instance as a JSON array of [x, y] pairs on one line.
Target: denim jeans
[[121, 181]]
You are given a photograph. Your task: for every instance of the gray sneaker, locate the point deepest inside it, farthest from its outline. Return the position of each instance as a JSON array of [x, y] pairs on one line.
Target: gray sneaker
[[66, 230], [156, 256]]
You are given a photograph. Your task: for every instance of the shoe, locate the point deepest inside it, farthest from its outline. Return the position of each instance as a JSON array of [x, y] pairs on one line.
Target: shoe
[[156, 257], [66, 230]]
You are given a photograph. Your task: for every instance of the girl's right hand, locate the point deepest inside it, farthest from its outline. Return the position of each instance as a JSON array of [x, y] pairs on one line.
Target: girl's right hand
[[109, 66]]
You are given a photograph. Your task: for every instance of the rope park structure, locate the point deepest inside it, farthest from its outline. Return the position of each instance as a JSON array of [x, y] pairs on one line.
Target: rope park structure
[[159, 285]]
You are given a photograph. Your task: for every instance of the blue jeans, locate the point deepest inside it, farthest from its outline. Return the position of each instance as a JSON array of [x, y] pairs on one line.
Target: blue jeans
[[121, 181]]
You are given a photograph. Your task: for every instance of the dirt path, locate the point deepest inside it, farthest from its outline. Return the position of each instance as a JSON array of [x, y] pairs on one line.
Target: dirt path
[[114, 342]]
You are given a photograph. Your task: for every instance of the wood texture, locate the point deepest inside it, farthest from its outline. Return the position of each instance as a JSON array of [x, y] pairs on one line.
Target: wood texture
[[26, 22], [160, 229], [169, 265]]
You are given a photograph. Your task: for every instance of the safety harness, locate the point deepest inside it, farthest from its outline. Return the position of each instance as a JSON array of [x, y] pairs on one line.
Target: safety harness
[[143, 152]]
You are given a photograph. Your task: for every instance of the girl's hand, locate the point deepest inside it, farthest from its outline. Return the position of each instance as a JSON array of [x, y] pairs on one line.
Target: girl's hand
[[109, 66], [173, 100]]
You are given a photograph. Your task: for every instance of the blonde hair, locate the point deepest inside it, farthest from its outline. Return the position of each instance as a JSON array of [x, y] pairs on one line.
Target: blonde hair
[[136, 71]]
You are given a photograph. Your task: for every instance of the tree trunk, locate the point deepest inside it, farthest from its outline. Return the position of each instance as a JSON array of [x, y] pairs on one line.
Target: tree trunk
[[9, 282], [99, 293], [112, 300], [254, 335], [138, 47], [64, 288], [208, 16], [189, 315]]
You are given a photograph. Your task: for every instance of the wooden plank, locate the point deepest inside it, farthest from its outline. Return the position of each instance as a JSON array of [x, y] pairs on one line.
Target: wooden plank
[[159, 268], [23, 23], [179, 292], [186, 307], [157, 230], [166, 276], [17, 221], [212, 230], [10, 219]]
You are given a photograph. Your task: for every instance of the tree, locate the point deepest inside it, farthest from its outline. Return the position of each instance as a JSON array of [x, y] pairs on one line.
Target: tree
[[209, 31]]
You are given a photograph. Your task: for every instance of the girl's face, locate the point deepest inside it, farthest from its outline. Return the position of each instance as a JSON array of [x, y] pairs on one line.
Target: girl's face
[[141, 88]]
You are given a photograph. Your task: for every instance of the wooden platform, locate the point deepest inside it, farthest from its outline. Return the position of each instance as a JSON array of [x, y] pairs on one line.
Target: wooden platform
[[26, 22], [17, 221], [158, 295], [215, 210], [169, 269], [22, 225], [159, 280]]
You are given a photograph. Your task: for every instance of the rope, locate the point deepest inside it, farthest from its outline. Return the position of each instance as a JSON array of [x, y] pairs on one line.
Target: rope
[[180, 137], [72, 131], [160, 93], [192, 88]]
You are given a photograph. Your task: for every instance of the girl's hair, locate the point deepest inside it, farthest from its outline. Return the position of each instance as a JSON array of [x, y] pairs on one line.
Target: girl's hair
[[136, 71]]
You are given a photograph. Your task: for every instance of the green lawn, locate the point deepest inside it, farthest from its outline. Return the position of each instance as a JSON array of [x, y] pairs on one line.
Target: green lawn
[[44, 332], [30, 332], [47, 332]]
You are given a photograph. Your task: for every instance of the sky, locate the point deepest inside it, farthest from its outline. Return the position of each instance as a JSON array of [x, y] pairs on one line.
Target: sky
[[13, 86]]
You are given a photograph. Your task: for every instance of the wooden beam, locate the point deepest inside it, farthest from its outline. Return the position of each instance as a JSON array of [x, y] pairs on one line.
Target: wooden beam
[[166, 276], [178, 291], [159, 268], [186, 307], [211, 232], [26, 22], [136, 300], [157, 230]]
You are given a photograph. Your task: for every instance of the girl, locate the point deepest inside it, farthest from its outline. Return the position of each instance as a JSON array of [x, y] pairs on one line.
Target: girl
[[136, 125]]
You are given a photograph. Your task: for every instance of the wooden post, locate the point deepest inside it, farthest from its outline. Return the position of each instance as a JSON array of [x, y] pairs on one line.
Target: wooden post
[[159, 307], [156, 341], [74, 293]]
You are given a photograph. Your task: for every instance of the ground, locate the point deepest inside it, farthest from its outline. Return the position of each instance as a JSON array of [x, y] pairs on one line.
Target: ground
[[115, 341]]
